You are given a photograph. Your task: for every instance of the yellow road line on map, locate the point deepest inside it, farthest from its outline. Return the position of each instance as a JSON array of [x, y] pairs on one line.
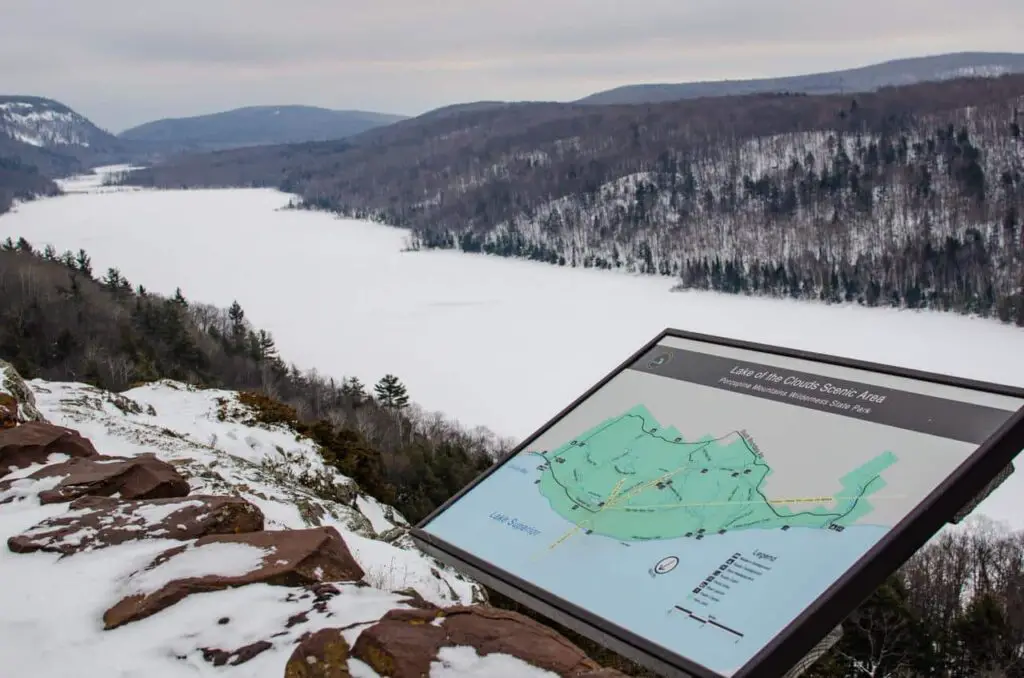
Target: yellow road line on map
[[614, 501], [579, 526]]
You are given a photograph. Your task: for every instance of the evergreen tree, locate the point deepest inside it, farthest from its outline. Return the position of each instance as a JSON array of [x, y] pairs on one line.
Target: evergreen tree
[[83, 263], [353, 389], [113, 279], [237, 318], [391, 392], [266, 348]]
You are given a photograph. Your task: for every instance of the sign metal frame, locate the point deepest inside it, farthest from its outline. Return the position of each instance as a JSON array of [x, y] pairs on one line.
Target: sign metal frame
[[975, 477]]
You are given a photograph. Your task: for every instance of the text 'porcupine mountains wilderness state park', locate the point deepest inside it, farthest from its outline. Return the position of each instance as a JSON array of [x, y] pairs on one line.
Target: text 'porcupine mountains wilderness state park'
[[529, 340]]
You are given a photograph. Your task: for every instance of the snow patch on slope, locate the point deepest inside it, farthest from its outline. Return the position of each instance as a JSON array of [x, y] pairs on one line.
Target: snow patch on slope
[[44, 124], [198, 431], [58, 605], [464, 662], [226, 560], [58, 602]]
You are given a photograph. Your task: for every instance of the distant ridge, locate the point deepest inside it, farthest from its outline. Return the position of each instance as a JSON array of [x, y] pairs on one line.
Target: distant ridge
[[864, 79], [42, 139], [45, 123], [458, 109], [257, 126]]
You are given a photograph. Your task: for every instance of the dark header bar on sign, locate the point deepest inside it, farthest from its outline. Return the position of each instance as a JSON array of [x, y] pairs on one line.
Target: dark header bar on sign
[[953, 419]]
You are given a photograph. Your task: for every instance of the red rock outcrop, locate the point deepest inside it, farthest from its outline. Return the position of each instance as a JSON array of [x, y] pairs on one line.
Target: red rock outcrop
[[405, 642], [289, 558], [97, 522], [34, 442], [115, 500], [141, 477]]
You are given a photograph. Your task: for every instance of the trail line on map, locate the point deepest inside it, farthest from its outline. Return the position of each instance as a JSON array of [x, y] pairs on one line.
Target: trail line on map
[[745, 459], [702, 445]]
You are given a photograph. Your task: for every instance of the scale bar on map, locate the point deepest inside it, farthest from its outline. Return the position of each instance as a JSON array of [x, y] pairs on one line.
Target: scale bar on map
[[702, 620]]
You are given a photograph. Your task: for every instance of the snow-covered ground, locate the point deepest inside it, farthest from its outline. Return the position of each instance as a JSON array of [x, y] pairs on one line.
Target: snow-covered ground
[[183, 426], [53, 607], [491, 341]]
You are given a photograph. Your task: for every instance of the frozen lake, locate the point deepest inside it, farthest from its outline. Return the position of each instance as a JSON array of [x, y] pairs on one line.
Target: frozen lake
[[490, 341]]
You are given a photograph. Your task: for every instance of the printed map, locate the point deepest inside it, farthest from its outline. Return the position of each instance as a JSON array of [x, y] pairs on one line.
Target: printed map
[[630, 479]]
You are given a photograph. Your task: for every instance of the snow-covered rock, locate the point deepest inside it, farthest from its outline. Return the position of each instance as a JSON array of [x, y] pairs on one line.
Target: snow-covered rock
[[57, 595], [206, 435]]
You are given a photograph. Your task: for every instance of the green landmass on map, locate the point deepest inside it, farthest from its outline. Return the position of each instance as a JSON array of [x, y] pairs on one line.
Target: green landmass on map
[[631, 479]]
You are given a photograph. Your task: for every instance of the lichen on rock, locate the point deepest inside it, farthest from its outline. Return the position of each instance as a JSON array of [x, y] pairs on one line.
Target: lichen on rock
[[323, 654], [17, 402]]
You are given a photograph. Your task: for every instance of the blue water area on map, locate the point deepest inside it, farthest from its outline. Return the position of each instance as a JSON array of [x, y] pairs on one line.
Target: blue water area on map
[[773, 576]]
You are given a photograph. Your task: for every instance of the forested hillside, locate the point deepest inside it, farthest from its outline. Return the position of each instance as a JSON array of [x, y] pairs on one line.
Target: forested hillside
[[21, 181], [909, 196], [955, 610]]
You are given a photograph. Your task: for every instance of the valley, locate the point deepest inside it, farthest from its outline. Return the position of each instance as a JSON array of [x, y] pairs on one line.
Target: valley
[[907, 196], [290, 322], [487, 340]]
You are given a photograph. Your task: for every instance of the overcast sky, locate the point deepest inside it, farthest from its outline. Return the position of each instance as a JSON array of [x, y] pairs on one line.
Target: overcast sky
[[123, 62]]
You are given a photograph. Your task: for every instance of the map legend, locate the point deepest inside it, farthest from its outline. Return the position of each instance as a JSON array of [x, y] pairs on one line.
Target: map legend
[[710, 592]]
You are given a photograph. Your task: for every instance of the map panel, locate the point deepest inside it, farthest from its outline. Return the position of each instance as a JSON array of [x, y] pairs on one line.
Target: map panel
[[705, 496], [631, 479]]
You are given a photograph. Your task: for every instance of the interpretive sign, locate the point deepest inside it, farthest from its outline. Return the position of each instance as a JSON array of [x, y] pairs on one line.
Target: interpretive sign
[[715, 508]]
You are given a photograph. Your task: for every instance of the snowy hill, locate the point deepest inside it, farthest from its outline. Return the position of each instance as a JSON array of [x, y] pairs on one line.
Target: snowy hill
[[42, 140], [49, 124], [161, 565]]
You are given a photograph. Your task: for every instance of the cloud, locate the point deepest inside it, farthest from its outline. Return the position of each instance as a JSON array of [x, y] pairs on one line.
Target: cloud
[[123, 62]]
